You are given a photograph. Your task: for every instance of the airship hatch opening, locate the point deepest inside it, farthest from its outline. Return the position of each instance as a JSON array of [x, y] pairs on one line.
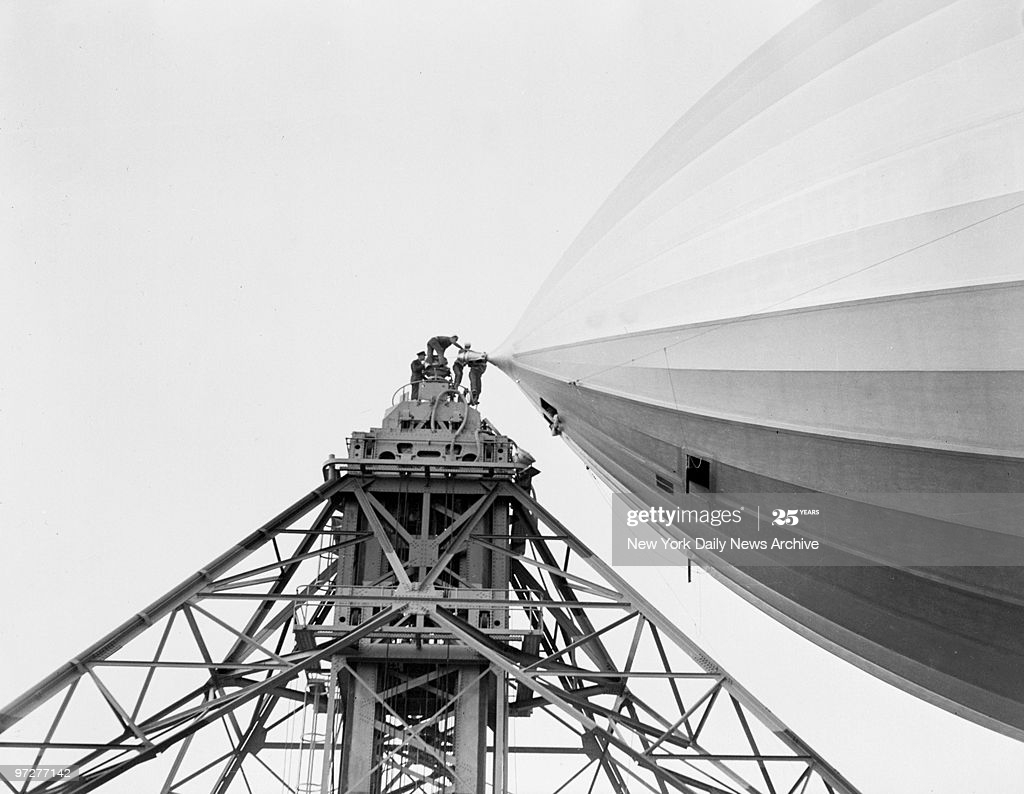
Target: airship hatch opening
[[698, 473], [551, 415]]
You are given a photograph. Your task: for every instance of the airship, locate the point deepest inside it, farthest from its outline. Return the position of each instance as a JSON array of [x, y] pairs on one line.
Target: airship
[[813, 284]]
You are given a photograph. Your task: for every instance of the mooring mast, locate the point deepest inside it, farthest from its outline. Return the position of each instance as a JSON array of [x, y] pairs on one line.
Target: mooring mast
[[387, 632]]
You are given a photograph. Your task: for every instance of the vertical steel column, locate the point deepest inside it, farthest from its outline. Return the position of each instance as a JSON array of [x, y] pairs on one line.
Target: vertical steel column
[[358, 755], [471, 731], [500, 770]]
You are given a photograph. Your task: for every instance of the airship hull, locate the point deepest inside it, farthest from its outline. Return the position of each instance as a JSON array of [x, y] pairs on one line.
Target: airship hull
[[949, 635], [815, 282]]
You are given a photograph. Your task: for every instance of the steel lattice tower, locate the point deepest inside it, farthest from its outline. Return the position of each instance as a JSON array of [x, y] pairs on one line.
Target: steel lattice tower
[[407, 626]]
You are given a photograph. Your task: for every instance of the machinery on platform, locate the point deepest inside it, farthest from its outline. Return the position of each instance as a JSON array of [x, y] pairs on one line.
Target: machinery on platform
[[413, 624]]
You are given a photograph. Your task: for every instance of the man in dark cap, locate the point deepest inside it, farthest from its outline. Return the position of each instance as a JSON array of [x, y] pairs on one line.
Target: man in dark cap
[[417, 373]]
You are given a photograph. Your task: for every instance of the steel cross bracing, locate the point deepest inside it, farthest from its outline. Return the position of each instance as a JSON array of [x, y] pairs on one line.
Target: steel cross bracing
[[352, 644]]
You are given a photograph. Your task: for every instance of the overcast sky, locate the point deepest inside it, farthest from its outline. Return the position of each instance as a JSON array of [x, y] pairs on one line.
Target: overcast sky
[[226, 230]]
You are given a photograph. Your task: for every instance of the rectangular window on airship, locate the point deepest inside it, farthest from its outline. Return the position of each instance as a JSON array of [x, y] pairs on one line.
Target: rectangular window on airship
[[664, 483]]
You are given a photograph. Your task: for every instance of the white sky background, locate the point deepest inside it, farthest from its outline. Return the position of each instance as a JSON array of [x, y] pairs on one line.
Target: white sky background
[[225, 231]]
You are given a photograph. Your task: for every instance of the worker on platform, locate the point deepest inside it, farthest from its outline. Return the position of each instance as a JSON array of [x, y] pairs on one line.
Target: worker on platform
[[459, 366], [477, 363], [436, 346], [416, 378]]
